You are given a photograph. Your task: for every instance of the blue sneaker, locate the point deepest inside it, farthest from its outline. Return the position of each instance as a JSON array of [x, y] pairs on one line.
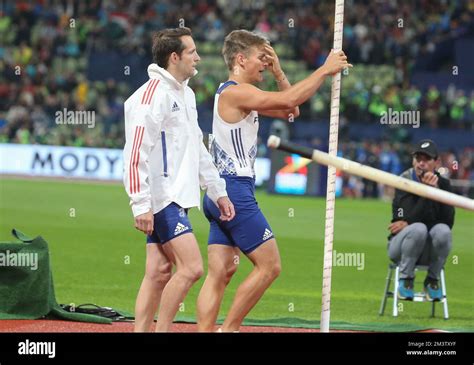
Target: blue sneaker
[[405, 289], [432, 290]]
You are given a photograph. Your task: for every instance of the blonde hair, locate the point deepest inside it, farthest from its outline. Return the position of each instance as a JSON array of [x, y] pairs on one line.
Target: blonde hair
[[240, 41]]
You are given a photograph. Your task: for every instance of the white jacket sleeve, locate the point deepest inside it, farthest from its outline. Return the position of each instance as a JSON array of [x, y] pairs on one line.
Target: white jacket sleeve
[[142, 128], [209, 178]]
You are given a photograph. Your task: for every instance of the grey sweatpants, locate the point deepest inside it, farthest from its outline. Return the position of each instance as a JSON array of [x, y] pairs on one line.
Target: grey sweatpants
[[414, 245]]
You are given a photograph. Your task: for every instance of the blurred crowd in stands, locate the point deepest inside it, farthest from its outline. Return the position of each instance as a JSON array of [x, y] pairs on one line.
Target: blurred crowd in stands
[[44, 48]]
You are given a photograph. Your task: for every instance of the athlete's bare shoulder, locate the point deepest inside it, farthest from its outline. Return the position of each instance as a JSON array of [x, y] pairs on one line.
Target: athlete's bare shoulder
[[228, 109]]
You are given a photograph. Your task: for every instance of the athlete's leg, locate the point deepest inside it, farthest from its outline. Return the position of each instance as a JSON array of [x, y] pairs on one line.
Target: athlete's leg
[[267, 267], [157, 274], [189, 269], [223, 261]]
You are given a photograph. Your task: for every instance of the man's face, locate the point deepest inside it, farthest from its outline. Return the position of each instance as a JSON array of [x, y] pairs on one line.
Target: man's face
[[423, 163], [255, 64], [186, 65]]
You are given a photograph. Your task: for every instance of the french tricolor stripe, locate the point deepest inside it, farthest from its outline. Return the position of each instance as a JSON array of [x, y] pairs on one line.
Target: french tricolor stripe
[[149, 91], [134, 177]]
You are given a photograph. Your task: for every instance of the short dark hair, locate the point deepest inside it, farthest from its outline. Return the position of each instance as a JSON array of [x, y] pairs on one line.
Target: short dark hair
[[167, 41]]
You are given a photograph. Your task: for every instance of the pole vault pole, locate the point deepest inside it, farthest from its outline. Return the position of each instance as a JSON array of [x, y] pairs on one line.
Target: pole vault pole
[[370, 173], [331, 181]]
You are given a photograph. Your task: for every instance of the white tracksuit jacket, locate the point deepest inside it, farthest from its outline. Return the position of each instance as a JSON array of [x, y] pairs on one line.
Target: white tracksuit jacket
[[165, 159]]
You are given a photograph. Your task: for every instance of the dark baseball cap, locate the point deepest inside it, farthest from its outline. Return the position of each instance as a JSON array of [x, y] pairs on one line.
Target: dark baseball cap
[[428, 147]]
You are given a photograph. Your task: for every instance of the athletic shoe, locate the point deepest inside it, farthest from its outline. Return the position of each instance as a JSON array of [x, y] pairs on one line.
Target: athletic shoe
[[432, 290], [405, 289]]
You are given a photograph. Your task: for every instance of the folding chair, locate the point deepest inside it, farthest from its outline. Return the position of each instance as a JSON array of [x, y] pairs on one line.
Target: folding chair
[[418, 297]]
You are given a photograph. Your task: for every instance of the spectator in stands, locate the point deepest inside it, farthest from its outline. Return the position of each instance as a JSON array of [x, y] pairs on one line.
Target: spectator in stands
[[53, 55]]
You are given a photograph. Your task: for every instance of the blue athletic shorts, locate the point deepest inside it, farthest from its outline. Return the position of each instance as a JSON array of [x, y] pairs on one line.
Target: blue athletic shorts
[[249, 228], [169, 223]]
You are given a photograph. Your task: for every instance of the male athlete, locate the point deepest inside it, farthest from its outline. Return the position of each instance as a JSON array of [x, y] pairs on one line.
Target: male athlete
[[165, 163], [235, 127]]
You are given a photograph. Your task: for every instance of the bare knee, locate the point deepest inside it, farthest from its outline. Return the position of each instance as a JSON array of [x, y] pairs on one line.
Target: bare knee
[[192, 273], [276, 270], [271, 272], [229, 271], [160, 274], [222, 275], [268, 262]]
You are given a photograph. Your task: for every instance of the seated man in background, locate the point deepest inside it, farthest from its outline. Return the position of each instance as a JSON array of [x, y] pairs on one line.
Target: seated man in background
[[420, 232]]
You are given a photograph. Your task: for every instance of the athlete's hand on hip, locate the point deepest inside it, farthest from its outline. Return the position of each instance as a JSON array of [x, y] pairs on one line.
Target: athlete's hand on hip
[[144, 222], [226, 208], [336, 62]]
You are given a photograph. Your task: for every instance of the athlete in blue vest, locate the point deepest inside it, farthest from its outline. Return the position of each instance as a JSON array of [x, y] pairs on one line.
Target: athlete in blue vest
[[234, 148]]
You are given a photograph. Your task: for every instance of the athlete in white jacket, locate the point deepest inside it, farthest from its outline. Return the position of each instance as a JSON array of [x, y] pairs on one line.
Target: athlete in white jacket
[[165, 163]]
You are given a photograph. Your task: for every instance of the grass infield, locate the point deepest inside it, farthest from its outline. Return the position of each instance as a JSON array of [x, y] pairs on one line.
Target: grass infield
[[98, 257]]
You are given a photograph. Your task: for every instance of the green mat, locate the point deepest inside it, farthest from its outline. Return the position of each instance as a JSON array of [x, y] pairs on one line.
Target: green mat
[[312, 324], [334, 325], [26, 283]]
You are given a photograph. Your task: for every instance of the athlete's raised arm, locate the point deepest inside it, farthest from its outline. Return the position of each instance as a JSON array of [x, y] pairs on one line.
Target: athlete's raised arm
[[248, 97]]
